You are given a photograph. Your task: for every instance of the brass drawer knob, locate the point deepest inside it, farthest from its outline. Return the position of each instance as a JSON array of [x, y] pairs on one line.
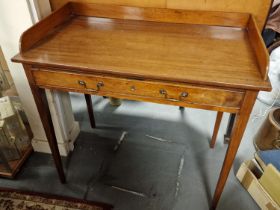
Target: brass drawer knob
[[133, 88], [163, 92], [99, 85], [182, 95], [84, 84]]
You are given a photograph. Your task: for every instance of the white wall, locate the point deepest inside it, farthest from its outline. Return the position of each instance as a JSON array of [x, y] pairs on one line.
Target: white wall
[[15, 17]]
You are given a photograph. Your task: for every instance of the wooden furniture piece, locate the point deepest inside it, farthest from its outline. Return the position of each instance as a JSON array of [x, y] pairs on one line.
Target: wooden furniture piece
[[227, 135], [90, 110], [9, 169], [259, 10], [229, 128], [231, 119], [207, 60], [216, 128]]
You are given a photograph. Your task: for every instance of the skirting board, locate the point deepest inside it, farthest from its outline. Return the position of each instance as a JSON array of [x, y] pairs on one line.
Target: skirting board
[[64, 148]]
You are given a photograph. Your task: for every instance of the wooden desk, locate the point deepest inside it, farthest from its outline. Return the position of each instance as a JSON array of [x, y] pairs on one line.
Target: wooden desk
[[207, 60]]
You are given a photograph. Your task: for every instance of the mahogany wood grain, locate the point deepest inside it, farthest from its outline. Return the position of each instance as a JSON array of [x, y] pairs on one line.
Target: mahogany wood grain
[[259, 47], [138, 3], [202, 96], [259, 9], [44, 27], [149, 50], [197, 62], [149, 99], [238, 129], [162, 14], [45, 115], [90, 110], [216, 129]]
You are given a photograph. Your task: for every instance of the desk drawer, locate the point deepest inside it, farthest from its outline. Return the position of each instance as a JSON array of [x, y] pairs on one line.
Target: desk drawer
[[169, 92]]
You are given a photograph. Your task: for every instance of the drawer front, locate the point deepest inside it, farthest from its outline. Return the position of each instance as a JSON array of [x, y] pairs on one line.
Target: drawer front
[[169, 92]]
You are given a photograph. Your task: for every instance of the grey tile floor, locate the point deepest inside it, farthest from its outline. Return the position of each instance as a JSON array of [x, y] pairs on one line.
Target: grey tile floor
[[163, 163]]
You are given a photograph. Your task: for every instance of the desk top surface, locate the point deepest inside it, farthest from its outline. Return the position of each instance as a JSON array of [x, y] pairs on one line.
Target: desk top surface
[[199, 54]]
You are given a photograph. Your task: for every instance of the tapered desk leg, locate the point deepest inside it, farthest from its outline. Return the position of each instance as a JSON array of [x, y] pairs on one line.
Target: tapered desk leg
[[229, 128], [90, 110], [216, 129], [238, 129], [45, 115]]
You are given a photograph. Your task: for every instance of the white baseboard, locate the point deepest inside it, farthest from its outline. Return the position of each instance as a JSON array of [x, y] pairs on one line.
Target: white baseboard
[[65, 148]]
